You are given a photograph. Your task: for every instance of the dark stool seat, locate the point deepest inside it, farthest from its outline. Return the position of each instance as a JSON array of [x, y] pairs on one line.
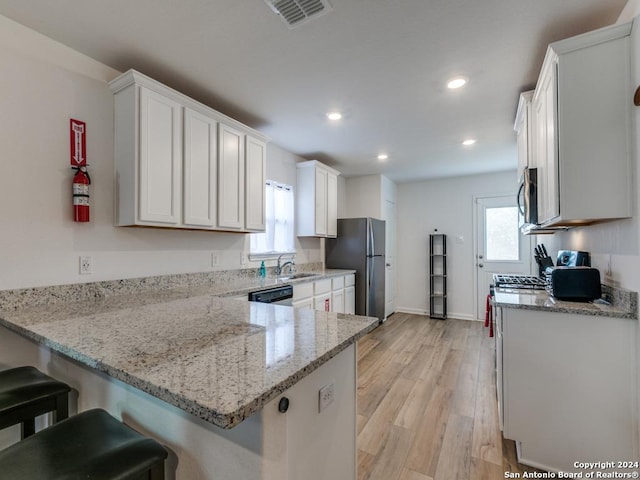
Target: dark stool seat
[[25, 393], [90, 445]]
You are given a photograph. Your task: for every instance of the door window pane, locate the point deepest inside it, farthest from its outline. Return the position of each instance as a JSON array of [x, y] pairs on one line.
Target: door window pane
[[501, 227]]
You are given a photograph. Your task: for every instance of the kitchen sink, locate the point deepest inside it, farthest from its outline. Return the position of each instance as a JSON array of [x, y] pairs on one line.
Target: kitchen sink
[[296, 276]]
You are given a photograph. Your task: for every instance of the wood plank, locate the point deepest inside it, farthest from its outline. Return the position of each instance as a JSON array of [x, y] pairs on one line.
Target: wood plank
[[361, 422], [372, 391], [487, 438], [413, 409], [455, 457], [365, 464], [407, 474], [464, 397], [425, 450], [389, 462], [370, 440], [481, 470]]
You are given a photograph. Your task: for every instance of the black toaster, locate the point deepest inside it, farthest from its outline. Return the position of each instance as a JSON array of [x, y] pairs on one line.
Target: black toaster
[[576, 284]]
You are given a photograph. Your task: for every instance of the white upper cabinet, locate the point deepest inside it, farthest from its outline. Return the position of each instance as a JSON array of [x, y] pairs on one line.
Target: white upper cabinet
[[255, 180], [160, 158], [231, 178], [523, 129], [332, 205], [316, 200], [181, 164], [582, 129], [200, 169]]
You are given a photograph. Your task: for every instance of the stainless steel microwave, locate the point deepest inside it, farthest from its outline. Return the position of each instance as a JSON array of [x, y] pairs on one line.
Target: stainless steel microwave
[[528, 197]]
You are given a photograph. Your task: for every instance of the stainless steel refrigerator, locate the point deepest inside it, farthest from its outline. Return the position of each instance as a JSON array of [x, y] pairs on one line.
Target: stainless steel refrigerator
[[360, 247]]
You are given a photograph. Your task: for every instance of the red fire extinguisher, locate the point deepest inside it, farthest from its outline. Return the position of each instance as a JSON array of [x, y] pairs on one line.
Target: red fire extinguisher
[[81, 182]]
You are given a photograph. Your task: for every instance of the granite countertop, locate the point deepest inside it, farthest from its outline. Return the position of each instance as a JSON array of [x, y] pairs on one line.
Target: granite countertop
[[624, 304], [218, 358]]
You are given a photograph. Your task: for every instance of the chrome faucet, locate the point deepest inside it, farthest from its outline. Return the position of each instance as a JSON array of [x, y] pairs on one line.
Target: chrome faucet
[[290, 264]]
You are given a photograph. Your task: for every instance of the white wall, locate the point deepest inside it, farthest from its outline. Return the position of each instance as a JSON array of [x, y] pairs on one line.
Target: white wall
[[447, 205], [44, 84], [363, 196], [631, 9]]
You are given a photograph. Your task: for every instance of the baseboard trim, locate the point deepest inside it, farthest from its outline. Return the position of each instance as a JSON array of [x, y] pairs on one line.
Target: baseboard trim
[[417, 311]]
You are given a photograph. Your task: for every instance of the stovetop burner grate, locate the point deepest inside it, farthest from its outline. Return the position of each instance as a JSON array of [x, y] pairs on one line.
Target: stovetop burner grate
[[519, 281]]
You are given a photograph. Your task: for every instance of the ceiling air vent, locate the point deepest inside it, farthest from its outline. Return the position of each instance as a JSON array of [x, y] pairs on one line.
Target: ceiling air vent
[[296, 12]]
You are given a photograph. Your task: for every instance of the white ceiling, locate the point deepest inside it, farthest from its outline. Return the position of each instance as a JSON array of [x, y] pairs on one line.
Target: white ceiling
[[383, 63]]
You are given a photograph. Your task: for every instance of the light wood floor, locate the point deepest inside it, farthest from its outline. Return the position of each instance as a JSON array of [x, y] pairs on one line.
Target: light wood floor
[[427, 403]]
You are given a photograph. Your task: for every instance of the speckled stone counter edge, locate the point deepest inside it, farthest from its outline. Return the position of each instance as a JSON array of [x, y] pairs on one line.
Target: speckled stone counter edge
[[220, 282], [223, 420], [624, 304]]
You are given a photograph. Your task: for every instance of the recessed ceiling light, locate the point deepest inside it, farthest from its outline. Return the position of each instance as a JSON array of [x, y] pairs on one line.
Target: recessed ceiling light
[[456, 82], [468, 141], [334, 116], [383, 156]]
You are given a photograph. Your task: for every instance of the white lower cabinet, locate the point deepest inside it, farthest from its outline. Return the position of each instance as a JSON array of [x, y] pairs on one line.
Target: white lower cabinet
[[303, 296], [568, 392], [322, 295], [350, 294], [335, 294], [322, 302]]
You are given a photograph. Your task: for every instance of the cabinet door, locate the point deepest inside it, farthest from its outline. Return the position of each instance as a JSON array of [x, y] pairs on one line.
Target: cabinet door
[[321, 201], [304, 303], [522, 127], [546, 151], [230, 178], [255, 172], [337, 301], [200, 170], [322, 302], [332, 205], [350, 300], [160, 158]]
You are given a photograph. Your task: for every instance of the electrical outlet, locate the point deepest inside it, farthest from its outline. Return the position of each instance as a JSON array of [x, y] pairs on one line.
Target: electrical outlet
[[215, 259], [244, 259], [327, 395], [86, 265]]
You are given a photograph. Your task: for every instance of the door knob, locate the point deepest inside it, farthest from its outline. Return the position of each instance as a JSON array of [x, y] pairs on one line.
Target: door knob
[[480, 265], [480, 256]]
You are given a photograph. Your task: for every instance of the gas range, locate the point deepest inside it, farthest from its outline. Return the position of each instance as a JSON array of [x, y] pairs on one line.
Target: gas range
[[522, 282]]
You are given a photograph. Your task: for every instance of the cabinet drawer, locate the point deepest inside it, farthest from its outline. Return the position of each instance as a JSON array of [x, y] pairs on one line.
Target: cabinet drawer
[[349, 280], [322, 286], [337, 283], [304, 290]]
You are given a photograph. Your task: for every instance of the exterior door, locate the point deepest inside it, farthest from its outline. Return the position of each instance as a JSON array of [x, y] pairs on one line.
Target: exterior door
[[500, 247]]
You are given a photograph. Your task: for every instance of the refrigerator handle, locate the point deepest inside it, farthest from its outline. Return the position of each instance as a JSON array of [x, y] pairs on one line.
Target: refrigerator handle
[[372, 245]]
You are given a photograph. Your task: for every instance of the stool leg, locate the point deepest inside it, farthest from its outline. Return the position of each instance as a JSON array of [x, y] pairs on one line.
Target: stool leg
[[62, 407], [157, 471], [28, 428]]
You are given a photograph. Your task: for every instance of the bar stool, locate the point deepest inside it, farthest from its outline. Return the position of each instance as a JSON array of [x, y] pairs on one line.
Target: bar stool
[[25, 393], [91, 444]]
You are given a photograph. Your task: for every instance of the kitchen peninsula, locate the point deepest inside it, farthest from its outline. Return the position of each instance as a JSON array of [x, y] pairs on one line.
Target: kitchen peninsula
[[203, 374]]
